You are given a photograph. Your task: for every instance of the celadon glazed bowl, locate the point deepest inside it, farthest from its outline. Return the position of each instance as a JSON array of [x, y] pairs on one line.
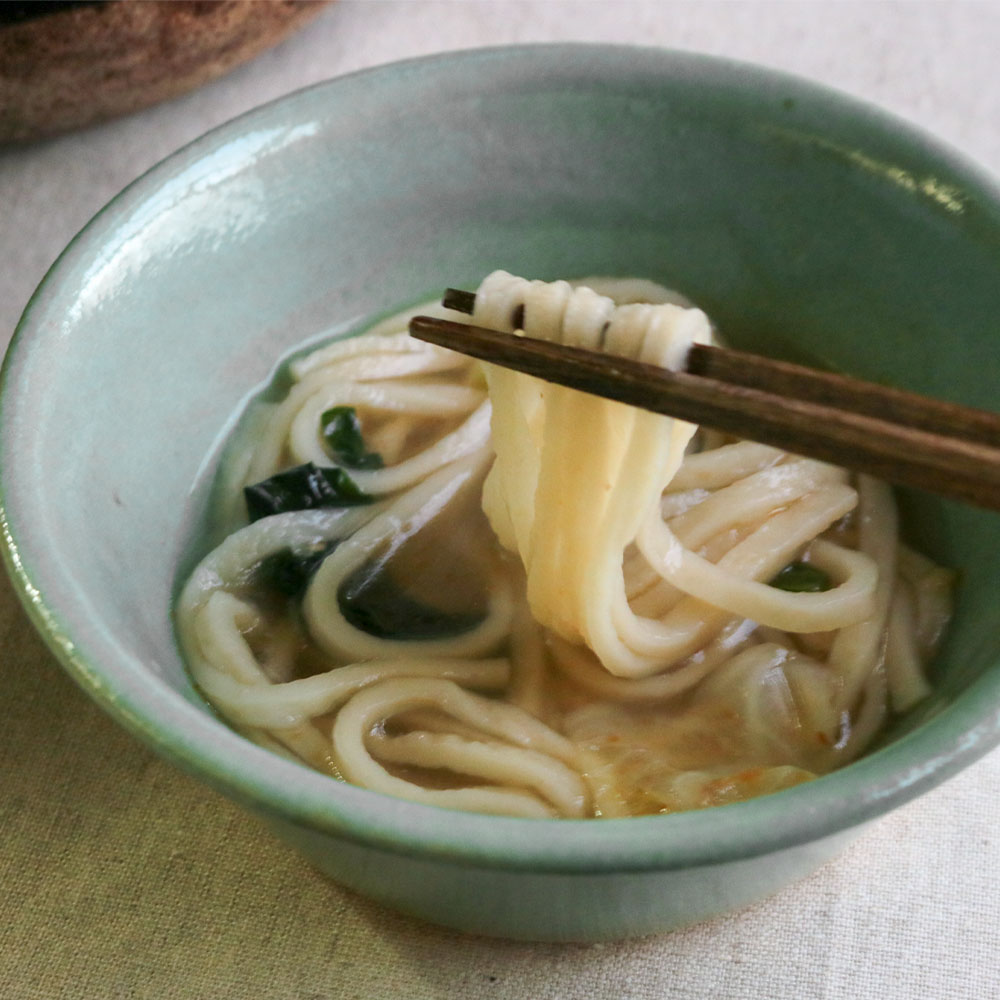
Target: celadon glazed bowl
[[807, 224]]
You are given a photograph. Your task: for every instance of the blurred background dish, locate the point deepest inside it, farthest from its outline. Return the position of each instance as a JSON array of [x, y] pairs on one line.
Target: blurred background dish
[[67, 65]]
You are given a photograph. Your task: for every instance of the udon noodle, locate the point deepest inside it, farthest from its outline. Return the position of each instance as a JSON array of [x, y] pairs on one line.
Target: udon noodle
[[471, 589]]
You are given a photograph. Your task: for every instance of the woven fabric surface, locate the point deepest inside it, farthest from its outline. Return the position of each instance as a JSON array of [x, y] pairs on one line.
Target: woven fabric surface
[[121, 878], [124, 879]]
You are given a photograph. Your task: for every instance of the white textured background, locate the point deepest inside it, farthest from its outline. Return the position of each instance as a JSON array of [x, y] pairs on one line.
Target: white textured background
[[120, 878]]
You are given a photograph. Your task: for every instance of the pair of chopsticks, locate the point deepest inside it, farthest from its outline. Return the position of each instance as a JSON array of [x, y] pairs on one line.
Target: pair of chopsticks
[[898, 436]]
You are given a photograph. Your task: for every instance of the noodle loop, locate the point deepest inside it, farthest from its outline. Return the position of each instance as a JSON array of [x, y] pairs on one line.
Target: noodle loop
[[547, 604]]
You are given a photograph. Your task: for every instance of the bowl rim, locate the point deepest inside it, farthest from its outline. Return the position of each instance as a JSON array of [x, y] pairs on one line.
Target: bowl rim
[[285, 791]]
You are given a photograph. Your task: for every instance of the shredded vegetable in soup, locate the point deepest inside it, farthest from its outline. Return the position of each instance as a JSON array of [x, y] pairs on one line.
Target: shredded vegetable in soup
[[456, 584]]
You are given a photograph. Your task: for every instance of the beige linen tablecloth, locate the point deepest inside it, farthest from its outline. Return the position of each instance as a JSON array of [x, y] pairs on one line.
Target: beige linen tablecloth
[[121, 878]]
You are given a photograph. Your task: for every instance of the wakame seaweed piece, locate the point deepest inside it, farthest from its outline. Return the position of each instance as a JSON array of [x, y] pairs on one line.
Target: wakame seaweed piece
[[802, 578], [303, 488], [371, 601], [341, 431], [289, 574]]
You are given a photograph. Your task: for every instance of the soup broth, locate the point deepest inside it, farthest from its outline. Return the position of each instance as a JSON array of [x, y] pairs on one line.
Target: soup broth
[[462, 586]]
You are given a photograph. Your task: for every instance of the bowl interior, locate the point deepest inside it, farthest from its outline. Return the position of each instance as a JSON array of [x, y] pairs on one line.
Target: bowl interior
[[807, 225]]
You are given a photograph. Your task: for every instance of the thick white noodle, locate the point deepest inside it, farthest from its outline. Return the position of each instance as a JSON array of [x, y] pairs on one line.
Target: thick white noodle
[[903, 662], [318, 392], [230, 566], [407, 515], [520, 739], [569, 513], [645, 571], [252, 701], [471, 438], [573, 516]]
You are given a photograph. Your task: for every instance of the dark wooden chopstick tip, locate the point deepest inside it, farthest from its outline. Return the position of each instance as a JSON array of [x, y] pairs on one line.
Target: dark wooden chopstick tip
[[465, 302], [459, 300]]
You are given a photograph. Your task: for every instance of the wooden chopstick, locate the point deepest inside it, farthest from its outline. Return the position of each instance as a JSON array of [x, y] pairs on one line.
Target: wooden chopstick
[[901, 437], [844, 393]]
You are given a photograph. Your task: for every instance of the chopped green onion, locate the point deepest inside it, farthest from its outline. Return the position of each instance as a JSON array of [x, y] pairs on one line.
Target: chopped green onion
[[341, 431], [303, 488], [802, 578]]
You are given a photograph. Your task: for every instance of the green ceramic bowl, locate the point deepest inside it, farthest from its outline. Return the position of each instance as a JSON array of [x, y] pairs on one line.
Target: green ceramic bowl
[[809, 225]]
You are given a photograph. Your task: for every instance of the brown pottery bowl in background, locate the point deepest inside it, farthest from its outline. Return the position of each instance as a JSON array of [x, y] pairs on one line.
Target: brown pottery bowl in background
[[67, 65]]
